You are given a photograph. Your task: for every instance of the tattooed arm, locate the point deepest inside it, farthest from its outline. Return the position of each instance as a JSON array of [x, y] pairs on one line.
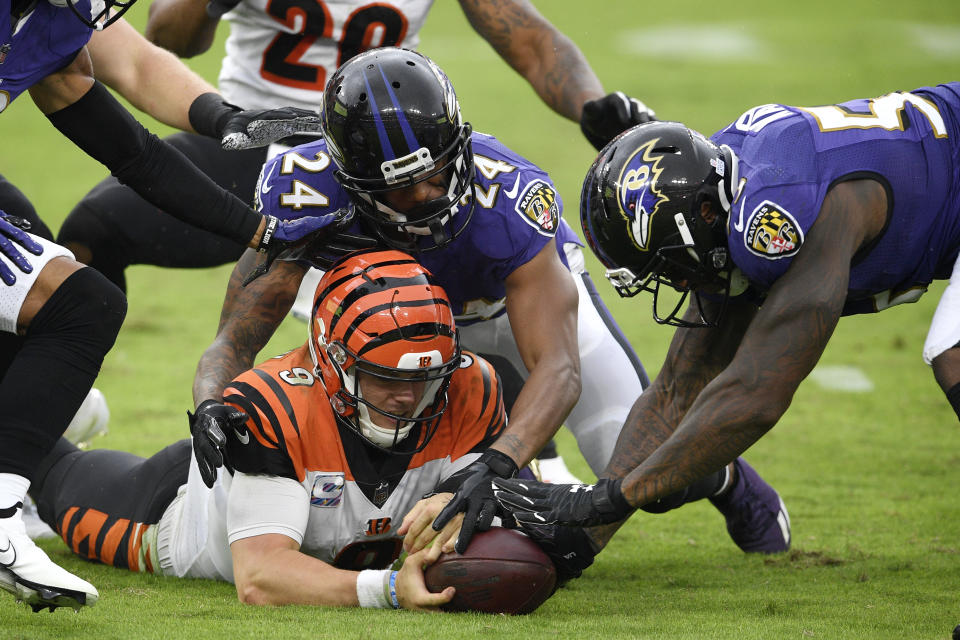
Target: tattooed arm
[[249, 317], [777, 351], [695, 357], [549, 60]]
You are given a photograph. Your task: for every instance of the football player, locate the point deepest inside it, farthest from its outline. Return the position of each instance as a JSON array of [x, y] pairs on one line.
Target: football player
[[64, 317], [333, 445], [778, 225], [488, 224], [257, 73]]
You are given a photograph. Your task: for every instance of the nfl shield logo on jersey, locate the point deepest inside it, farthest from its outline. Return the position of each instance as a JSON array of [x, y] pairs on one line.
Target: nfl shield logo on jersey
[[327, 490]]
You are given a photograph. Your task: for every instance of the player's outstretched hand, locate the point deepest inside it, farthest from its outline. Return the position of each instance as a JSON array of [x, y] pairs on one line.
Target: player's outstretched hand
[[412, 590], [605, 118], [14, 230], [258, 128], [474, 497], [207, 426], [285, 235], [582, 505]]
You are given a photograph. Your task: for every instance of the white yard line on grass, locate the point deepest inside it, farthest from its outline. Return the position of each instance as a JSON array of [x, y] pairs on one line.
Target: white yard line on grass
[[842, 378]]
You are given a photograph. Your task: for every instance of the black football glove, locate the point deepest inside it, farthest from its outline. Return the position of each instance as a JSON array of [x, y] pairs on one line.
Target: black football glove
[[258, 128], [569, 548], [14, 230], [207, 427], [605, 118], [475, 496], [282, 236], [582, 505], [323, 251]]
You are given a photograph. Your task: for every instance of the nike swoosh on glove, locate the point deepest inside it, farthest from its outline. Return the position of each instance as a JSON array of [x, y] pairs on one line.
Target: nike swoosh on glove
[[207, 427]]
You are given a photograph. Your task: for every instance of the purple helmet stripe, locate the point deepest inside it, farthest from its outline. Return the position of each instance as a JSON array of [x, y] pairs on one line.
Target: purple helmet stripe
[[381, 130], [411, 139]]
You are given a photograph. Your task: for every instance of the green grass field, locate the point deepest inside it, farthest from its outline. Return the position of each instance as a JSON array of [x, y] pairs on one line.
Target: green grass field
[[870, 477]]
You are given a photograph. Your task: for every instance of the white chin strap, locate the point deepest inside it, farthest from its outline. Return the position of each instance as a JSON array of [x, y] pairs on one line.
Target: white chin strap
[[382, 436], [378, 435]]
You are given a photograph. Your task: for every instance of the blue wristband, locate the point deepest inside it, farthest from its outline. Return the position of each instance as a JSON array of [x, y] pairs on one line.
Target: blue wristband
[[393, 590]]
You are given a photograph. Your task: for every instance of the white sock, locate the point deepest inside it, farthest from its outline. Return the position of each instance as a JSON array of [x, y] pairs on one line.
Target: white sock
[[13, 488]]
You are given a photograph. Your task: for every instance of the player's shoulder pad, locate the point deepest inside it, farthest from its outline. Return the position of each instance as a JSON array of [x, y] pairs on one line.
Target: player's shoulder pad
[[475, 392], [516, 185], [271, 442], [300, 182]]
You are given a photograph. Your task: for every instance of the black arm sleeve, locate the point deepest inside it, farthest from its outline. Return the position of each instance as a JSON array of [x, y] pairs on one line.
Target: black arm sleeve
[[107, 132], [209, 114]]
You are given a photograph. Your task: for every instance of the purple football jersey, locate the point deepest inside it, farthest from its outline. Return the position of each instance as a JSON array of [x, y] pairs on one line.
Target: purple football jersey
[[517, 211], [790, 157], [41, 42]]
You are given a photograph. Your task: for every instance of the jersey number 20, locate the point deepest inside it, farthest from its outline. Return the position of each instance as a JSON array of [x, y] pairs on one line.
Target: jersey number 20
[[281, 59]]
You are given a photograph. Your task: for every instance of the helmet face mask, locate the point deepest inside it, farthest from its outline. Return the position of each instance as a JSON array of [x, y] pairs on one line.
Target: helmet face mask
[[102, 13], [642, 210], [391, 120], [380, 321]]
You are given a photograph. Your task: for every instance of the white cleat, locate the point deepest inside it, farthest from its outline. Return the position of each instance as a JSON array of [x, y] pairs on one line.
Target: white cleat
[[90, 420], [554, 471], [27, 573]]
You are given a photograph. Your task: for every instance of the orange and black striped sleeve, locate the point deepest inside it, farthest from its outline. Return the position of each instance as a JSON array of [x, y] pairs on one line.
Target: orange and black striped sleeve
[[271, 444]]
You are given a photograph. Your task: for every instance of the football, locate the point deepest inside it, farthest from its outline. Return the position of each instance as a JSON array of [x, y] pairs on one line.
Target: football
[[502, 571]]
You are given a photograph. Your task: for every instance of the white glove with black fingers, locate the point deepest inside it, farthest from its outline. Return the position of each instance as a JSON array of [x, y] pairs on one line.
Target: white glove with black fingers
[[605, 118]]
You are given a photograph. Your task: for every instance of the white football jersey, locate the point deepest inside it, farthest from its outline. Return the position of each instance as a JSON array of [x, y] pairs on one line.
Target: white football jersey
[[281, 52]]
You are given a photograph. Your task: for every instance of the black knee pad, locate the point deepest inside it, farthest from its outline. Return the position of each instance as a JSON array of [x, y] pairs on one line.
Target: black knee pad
[[87, 309]]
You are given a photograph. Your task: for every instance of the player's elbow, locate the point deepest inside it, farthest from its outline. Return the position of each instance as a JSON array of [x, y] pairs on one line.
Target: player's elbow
[[250, 592], [172, 36]]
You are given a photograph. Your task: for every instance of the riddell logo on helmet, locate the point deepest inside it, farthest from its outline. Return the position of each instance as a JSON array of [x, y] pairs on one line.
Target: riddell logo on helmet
[[638, 194], [425, 361]]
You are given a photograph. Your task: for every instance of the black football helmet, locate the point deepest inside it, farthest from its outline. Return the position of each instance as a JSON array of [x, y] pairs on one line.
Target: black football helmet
[[640, 211], [391, 119], [96, 14]]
